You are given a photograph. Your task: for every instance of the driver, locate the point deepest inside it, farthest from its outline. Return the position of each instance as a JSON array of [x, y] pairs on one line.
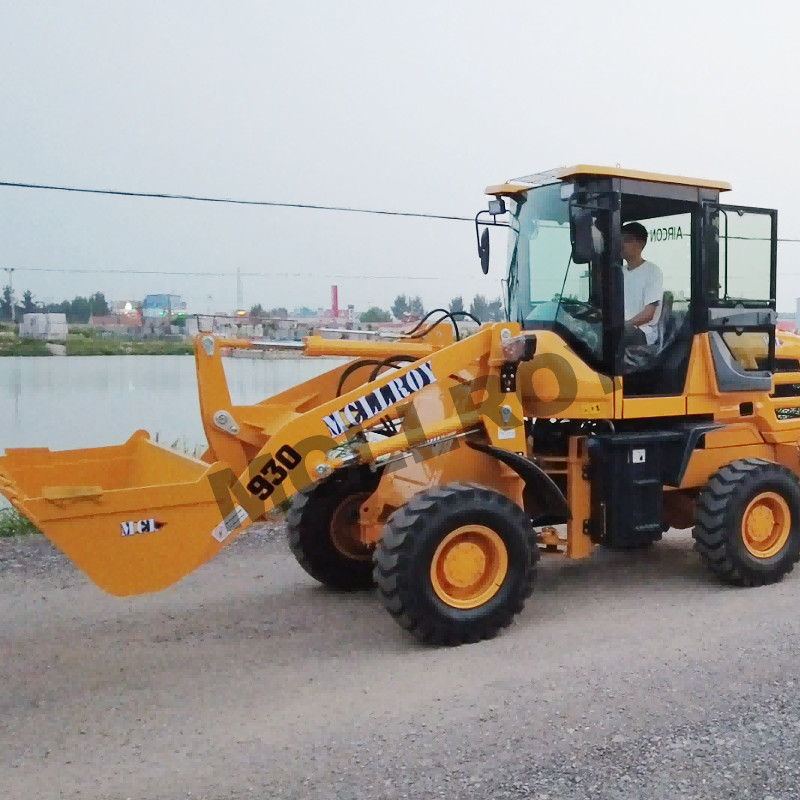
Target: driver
[[644, 290]]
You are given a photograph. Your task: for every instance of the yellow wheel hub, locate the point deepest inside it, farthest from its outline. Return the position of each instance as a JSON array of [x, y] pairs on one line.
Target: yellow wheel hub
[[345, 529], [469, 566], [766, 525]]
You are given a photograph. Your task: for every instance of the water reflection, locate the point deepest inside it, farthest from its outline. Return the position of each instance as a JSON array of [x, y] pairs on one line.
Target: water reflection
[[92, 401]]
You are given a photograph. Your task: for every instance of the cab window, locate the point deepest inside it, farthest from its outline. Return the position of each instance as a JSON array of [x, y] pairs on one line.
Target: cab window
[[660, 367]]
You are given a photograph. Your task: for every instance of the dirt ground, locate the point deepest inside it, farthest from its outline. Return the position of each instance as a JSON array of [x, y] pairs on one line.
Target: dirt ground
[[628, 675]]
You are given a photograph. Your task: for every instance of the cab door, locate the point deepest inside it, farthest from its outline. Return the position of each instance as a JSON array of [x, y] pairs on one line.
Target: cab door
[[737, 282]]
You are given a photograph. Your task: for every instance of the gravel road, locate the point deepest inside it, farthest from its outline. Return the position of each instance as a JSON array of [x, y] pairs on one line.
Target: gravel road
[[627, 676]]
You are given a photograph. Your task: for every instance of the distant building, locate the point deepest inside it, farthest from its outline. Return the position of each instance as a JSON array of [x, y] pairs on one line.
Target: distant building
[[228, 325], [163, 305], [125, 308], [129, 324], [51, 327]]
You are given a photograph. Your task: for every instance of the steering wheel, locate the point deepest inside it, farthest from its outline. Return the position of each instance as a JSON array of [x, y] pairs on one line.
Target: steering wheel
[[581, 310]]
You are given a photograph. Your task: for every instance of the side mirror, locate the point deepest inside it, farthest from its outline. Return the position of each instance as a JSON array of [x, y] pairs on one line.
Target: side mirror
[[582, 233], [483, 250]]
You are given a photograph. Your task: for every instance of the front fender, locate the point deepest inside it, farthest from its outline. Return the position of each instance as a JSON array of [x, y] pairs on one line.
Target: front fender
[[547, 492]]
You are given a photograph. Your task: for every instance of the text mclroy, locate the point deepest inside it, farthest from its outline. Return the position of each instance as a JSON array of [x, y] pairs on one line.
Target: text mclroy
[[376, 402]]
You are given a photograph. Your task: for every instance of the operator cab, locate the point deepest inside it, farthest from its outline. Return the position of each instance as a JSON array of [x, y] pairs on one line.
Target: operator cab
[[565, 273]]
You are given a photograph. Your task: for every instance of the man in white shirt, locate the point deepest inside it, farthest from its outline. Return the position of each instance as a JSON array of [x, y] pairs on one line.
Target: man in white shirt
[[644, 288]]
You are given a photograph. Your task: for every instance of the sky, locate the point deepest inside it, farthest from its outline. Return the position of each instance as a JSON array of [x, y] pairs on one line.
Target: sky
[[415, 106]]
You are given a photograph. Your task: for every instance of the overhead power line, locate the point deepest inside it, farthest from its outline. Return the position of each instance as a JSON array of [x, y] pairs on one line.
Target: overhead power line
[[200, 199], [277, 204]]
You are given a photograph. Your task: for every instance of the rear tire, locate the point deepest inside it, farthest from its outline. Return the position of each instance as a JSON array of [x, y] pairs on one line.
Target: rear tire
[[456, 564], [747, 522], [322, 525]]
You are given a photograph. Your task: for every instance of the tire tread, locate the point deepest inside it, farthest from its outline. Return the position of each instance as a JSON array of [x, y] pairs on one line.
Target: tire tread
[[715, 531], [393, 556]]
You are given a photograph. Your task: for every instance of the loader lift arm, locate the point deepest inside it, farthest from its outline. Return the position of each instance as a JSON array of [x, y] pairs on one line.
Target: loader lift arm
[[138, 517]]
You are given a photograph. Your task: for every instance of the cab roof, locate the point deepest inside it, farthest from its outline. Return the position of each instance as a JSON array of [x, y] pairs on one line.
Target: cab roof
[[519, 185]]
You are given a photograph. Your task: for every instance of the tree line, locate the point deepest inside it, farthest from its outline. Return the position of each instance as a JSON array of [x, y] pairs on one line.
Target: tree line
[[411, 308], [77, 310], [404, 308], [81, 309]]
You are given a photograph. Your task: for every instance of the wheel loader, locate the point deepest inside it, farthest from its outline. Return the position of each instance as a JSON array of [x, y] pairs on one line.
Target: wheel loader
[[440, 466]]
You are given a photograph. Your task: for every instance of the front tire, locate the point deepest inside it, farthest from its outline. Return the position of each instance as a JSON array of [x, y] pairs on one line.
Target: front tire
[[747, 522], [456, 564], [323, 530]]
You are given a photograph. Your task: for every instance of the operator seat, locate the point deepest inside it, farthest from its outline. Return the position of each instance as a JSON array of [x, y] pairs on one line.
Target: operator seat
[[664, 372], [666, 321], [639, 357]]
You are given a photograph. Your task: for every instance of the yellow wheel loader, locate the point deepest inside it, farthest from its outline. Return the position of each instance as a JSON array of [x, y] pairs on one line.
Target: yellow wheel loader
[[441, 465]]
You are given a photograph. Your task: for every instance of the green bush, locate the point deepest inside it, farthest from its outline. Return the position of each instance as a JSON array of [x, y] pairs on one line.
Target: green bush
[[12, 523], [86, 332]]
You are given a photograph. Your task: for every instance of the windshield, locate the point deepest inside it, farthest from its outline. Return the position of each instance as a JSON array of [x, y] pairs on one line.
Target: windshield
[[546, 289]]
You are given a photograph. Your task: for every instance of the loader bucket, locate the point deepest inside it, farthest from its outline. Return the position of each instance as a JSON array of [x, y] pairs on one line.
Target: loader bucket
[[135, 517]]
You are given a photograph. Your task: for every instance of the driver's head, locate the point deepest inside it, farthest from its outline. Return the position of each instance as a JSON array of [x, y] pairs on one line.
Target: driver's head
[[634, 238]]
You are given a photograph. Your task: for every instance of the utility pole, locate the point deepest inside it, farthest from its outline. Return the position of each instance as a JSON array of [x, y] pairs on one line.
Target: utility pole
[[10, 271], [239, 299]]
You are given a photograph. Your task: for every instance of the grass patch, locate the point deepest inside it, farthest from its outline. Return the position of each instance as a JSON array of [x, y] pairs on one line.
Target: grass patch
[[85, 332], [80, 345], [12, 523], [83, 346], [85, 343], [23, 347], [154, 347]]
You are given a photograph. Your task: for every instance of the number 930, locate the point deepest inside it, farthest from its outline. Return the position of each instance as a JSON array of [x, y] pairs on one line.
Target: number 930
[[274, 472]]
